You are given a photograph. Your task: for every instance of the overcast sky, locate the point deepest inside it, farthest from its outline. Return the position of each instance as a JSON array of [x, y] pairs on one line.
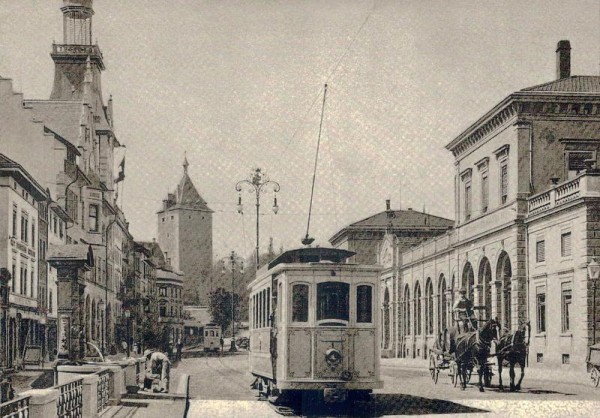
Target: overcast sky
[[238, 84]]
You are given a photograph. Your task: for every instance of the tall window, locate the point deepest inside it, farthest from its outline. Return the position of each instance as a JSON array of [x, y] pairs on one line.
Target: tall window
[[364, 304], [467, 201], [429, 312], [300, 303], [24, 282], [71, 205], [540, 303], [33, 233], [54, 222], [565, 244], [162, 311], [14, 276], [485, 192], [24, 226], [418, 310], [32, 284], [93, 218], [503, 183], [407, 312], [50, 301], [14, 222], [540, 251], [566, 300]]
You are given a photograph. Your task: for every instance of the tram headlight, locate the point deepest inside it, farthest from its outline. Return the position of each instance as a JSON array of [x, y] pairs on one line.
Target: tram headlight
[[333, 358]]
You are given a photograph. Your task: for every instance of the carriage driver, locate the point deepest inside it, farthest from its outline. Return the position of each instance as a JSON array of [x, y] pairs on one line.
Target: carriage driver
[[463, 312]]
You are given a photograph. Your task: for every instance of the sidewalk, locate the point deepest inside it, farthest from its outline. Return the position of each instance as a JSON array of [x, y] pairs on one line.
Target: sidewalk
[[548, 374]]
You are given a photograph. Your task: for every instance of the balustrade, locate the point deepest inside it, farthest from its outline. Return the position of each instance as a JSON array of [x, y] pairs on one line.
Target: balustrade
[[70, 400], [103, 389], [17, 408]]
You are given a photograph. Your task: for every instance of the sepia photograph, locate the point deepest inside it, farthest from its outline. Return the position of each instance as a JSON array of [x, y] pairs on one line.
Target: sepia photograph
[[299, 208]]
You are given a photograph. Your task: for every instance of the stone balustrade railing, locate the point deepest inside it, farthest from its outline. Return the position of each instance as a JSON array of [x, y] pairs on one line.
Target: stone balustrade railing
[[586, 184], [16, 408]]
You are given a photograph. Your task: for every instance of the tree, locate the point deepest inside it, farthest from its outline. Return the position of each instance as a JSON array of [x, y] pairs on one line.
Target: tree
[[220, 307]]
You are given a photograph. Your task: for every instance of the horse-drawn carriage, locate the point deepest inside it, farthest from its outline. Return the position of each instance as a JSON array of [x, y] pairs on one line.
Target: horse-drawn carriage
[[593, 363], [443, 355]]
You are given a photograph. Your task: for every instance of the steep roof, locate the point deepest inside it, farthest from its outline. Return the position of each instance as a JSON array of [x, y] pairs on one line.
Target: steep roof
[[13, 168], [62, 117], [188, 197], [573, 84]]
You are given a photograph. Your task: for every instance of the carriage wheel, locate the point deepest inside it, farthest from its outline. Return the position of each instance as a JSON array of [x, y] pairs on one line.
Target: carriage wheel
[[433, 370], [595, 375]]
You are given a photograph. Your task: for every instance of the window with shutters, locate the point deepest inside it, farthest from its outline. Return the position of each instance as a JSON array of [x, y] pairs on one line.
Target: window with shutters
[[467, 201], [485, 192], [540, 251], [565, 244], [503, 183], [566, 300], [540, 301]]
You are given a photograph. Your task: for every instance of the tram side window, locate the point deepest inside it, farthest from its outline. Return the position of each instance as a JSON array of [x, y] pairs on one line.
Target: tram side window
[[300, 303], [268, 311], [364, 302], [333, 300]]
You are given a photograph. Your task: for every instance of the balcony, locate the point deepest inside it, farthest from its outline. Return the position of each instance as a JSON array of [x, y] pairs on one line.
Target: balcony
[[72, 50], [585, 185]]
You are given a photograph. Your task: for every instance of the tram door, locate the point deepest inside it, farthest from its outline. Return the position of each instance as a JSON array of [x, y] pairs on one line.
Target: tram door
[[275, 286]]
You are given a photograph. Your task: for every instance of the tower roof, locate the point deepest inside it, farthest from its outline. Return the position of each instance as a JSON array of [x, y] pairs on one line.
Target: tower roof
[[186, 195]]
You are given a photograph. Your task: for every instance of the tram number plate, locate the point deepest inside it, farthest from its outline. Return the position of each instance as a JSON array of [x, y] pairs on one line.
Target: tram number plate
[[335, 395]]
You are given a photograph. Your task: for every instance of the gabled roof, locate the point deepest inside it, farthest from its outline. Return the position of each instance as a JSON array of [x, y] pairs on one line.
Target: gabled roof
[[62, 117], [21, 175], [399, 220], [573, 84]]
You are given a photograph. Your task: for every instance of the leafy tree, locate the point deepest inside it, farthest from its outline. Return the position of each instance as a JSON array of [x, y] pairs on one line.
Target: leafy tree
[[220, 307]]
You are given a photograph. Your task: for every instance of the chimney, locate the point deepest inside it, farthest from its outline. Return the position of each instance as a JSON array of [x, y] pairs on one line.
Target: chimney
[[563, 59], [387, 204]]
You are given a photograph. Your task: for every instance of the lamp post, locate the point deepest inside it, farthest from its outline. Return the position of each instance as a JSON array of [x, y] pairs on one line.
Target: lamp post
[[258, 181], [127, 315], [233, 258], [593, 269]]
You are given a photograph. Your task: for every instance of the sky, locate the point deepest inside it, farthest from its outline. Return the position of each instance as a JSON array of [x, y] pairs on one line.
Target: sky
[[239, 84]]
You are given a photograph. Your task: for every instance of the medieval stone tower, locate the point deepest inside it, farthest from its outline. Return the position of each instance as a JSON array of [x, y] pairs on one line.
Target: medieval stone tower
[[185, 236]]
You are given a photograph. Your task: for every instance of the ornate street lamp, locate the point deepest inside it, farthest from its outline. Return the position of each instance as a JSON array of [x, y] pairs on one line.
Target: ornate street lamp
[[233, 259], [258, 182], [593, 269]]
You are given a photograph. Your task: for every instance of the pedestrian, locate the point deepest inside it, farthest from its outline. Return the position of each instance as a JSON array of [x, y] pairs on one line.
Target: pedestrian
[[179, 347], [159, 367], [124, 346], [170, 349], [222, 342]]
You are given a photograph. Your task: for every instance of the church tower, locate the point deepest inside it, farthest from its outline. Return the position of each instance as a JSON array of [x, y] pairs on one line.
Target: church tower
[[185, 236], [71, 56]]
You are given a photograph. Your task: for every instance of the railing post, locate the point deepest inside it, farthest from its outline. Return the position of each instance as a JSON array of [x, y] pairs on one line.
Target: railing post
[[118, 383], [42, 402], [90, 395]]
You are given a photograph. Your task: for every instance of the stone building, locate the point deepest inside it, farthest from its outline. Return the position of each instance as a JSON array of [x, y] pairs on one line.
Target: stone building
[[75, 162], [21, 197], [169, 284], [185, 236], [526, 206], [379, 239]]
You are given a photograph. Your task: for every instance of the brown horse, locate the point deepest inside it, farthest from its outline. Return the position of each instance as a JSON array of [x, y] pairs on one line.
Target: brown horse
[[473, 348], [513, 348]]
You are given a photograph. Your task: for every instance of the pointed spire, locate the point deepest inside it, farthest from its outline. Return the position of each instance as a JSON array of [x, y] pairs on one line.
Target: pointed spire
[[185, 162]]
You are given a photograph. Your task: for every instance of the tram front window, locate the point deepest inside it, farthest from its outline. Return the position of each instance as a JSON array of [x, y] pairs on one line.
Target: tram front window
[[333, 303]]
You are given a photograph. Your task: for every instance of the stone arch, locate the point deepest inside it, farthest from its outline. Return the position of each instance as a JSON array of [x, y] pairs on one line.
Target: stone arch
[[504, 276], [418, 309], [468, 280], [407, 313], [386, 318], [484, 282], [443, 303], [429, 302]]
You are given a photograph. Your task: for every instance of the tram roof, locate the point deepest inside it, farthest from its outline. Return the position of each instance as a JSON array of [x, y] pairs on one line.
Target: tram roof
[[312, 255]]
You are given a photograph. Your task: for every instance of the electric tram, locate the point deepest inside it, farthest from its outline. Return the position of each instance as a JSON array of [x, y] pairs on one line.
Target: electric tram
[[314, 325], [212, 337]]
